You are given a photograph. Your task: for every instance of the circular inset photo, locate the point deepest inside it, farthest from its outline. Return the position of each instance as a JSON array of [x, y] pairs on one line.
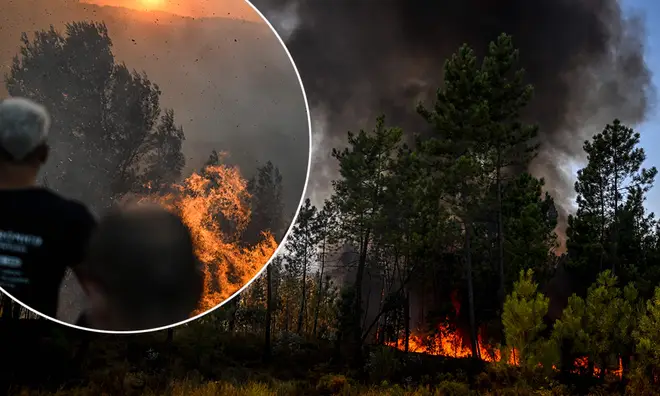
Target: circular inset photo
[[153, 156]]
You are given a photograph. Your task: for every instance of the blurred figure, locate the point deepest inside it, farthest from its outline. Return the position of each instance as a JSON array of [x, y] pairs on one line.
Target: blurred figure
[[141, 271], [41, 233]]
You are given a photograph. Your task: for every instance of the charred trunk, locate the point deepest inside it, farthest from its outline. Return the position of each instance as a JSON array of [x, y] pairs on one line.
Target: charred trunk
[[468, 267], [269, 312], [319, 296], [357, 308], [303, 296], [406, 318]]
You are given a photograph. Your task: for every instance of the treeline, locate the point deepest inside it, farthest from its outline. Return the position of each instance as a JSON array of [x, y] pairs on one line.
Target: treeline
[[452, 219]]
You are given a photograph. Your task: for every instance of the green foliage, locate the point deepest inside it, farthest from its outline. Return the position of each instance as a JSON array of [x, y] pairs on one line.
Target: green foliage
[[522, 319], [572, 326], [609, 319], [647, 335], [266, 204], [530, 220], [106, 118], [383, 364], [609, 190], [363, 166]]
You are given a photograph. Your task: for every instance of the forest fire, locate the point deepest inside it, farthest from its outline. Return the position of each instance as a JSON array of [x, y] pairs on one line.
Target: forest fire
[[448, 340], [450, 343], [215, 205]]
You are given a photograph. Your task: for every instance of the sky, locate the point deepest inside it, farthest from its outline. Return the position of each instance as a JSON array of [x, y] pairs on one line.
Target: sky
[[237, 9], [650, 9]]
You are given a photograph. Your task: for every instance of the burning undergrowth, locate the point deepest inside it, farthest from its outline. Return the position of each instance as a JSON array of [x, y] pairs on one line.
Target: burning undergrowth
[[450, 338], [215, 205]]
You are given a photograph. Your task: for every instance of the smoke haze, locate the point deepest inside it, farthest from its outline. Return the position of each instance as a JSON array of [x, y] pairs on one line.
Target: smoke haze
[[359, 59], [229, 81], [225, 74]]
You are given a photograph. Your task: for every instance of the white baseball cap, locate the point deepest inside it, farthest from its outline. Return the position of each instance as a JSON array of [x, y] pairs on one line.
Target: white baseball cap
[[24, 126]]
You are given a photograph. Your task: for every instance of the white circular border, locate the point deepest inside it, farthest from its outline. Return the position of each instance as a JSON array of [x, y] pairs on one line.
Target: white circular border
[[279, 247]]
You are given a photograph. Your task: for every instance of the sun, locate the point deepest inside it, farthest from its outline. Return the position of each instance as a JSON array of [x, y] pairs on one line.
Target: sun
[[151, 4]]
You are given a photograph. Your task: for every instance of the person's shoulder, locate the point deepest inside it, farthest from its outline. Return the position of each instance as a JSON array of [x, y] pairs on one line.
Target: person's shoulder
[[79, 211], [72, 209]]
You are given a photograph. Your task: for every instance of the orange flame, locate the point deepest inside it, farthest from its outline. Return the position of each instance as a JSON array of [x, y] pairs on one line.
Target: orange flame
[[215, 206], [448, 342]]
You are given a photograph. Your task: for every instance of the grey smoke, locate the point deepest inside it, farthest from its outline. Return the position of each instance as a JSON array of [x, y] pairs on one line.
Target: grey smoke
[[360, 58]]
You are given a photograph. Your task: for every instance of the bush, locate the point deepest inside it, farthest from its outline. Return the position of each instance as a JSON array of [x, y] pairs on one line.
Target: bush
[[383, 365], [453, 388], [332, 384]]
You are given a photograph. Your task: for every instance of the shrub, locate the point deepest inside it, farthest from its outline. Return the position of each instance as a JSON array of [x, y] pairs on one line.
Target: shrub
[[332, 384], [383, 364]]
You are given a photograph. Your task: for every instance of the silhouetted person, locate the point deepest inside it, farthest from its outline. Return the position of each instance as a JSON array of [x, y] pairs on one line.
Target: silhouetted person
[[141, 271], [41, 233]]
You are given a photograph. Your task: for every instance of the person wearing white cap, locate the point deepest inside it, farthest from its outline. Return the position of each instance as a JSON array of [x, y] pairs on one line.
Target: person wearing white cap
[[41, 233]]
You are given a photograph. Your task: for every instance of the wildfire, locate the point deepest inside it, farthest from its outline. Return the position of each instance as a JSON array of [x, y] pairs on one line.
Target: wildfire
[[214, 204], [449, 342]]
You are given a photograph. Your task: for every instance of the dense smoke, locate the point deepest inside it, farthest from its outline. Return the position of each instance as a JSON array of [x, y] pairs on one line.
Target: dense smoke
[[361, 58]]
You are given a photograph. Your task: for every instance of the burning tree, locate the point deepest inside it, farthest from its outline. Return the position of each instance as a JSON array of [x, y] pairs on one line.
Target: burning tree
[[215, 205], [111, 140]]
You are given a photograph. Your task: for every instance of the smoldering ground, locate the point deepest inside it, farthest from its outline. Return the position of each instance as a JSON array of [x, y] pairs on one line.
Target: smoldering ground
[[361, 58]]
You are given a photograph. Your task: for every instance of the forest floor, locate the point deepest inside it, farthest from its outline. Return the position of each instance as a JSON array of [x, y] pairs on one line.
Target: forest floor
[[201, 360]]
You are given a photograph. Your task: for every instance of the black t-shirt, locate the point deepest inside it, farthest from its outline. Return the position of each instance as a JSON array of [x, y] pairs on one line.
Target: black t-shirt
[[41, 234], [83, 321]]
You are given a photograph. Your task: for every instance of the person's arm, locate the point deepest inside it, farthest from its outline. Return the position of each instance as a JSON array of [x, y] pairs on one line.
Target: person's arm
[[86, 224], [82, 226]]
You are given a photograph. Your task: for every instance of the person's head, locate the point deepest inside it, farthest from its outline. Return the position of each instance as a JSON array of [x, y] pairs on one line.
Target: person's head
[[24, 127], [141, 271]]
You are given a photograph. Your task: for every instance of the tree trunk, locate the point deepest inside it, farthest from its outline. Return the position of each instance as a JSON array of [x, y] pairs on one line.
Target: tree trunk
[[357, 308], [319, 296], [234, 311], [500, 232], [303, 297], [7, 307], [269, 312], [17, 311], [468, 267], [406, 318], [602, 225], [615, 236]]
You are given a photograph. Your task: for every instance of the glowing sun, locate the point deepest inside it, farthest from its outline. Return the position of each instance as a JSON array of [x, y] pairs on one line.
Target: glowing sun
[[151, 4]]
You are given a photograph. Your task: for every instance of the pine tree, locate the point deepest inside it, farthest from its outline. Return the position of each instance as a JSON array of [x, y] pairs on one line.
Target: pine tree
[[359, 197], [456, 153], [613, 175], [301, 246], [511, 143]]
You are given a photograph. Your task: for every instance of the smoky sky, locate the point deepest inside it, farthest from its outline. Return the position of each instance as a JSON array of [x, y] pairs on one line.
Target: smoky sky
[[361, 58]]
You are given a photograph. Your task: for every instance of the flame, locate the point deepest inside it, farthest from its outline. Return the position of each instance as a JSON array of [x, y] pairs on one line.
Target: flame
[[215, 206], [447, 340]]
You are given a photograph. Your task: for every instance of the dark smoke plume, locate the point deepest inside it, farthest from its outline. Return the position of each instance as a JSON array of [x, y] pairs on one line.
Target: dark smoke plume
[[362, 58]]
